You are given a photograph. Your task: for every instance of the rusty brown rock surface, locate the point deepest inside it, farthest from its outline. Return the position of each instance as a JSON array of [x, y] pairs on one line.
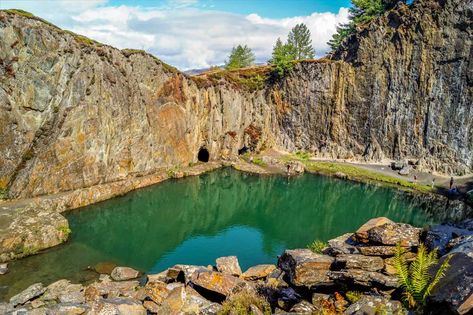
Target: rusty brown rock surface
[[77, 115]]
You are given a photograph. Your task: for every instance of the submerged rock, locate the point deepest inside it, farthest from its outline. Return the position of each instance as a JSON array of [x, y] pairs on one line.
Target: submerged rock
[[105, 267], [229, 265], [305, 268], [124, 273], [3, 269]]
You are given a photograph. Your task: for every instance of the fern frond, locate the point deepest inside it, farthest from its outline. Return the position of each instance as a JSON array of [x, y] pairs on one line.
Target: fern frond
[[402, 269], [438, 275]]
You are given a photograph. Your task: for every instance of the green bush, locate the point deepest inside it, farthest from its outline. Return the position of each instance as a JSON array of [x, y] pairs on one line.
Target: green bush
[[259, 162], [353, 296], [317, 246], [415, 279]]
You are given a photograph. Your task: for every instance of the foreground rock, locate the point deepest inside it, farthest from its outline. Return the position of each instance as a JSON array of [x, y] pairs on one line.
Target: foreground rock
[[305, 268], [294, 286], [124, 273], [229, 265], [31, 292]]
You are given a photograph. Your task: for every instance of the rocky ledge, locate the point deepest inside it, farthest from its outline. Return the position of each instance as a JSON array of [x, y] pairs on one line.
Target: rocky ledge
[[353, 274]]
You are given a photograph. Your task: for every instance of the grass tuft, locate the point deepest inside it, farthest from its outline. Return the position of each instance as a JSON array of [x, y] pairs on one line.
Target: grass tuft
[[317, 246], [241, 302]]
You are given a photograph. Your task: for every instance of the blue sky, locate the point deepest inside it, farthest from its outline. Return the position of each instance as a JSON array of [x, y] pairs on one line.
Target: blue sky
[[266, 8], [192, 33]]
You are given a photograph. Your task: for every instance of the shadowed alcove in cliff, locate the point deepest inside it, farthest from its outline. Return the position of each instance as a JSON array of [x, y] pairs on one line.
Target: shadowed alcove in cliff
[[243, 150], [203, 155]]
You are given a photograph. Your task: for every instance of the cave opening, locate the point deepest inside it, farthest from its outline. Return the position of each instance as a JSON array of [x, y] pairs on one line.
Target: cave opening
[[243, 150], [203, 155]]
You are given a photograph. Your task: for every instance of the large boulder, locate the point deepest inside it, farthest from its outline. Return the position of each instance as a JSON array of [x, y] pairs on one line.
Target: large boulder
[[124, 273], [258, 272], [361, 235], [30, 293], [228, 265], [343, 244], [438, 236], [454, 292], [216, 282], [393, 234], [377, 250], [305, 268], [462, 244], [157, 291], [368, 263]]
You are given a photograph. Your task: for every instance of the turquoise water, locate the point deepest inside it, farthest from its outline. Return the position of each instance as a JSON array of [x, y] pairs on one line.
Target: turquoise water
[[194, 220]]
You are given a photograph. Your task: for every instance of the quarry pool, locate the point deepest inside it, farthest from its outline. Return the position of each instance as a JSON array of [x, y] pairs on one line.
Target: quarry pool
[[194, 220]]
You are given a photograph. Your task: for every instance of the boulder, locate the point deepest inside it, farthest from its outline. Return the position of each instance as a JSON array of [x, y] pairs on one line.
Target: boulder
[[55, 289], [438, 236], [372, 305], [124, 273], [183, 273], [364, 278], [229, 265], [119, 306], [398, 165], [157, 291], [462, 244], [258, 272], [214, 281], [30, 293], [305, 268], [454, 292], [286, 298], [73, 293], [6, 308], [368, 263], [3, 268], [160, 277], [276, 279], [393, 234], [405, 171], [361, 235], [343, 244], [151, 306], [111, 288], [185, 300]]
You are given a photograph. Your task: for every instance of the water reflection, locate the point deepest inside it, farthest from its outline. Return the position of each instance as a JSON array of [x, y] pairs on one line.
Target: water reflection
[[196, 219]]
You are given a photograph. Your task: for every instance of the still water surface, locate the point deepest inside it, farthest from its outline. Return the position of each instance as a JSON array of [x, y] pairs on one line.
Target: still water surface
[[194, 220]]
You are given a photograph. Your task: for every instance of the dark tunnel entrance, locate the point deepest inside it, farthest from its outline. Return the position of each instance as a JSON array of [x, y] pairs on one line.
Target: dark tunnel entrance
[[203, 155]]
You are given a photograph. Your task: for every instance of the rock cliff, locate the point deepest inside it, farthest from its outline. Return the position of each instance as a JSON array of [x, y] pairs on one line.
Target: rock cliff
[[76, 113]]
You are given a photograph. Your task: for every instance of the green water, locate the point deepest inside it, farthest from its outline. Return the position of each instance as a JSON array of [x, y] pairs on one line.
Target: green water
[[194, 220]]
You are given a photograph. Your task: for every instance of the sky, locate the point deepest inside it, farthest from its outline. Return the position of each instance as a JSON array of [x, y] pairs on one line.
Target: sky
[[192, 34]]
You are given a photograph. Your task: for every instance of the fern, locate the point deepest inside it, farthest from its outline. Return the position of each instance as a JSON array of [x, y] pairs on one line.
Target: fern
[[415, 280]]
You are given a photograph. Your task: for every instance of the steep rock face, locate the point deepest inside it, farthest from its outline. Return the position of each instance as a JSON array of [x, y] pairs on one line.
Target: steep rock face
[[403, 88], [76, 113]]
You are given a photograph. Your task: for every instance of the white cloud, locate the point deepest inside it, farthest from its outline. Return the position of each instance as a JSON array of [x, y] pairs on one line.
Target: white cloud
[[188, 37]]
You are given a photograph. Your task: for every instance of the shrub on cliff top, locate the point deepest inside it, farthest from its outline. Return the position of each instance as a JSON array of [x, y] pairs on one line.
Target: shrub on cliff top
[[240, 57]]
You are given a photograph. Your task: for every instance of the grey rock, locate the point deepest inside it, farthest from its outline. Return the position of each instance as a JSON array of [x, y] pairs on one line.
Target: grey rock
[[119, 306], [305, 268], [406, 170], [229, 265], [373, 305], [392, 234], [365, 278], [462, 244], [303, 307], [124, 273], [30, 293], [343, 244], [368, 263]]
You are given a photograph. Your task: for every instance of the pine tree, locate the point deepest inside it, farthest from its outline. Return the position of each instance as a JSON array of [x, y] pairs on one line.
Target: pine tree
[[362, 11], [240, 57], [300, 39], [282, 57]]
